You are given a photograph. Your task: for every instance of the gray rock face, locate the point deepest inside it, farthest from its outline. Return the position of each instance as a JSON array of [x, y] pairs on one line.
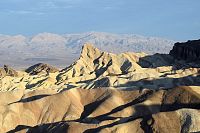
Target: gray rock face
[[189, 50]]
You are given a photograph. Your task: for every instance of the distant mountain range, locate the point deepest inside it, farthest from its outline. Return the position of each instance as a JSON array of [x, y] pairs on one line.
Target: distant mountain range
[[62, 50]]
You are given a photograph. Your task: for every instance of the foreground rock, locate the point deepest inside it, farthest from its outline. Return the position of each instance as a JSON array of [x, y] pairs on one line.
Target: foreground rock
[[106, 110]]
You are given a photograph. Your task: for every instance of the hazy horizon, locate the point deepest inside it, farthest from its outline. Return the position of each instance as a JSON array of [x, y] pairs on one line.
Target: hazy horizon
[[87, 32]]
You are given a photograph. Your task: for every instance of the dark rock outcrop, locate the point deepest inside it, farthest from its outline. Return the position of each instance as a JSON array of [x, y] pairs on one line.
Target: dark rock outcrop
[[41, 68], [189, 50], [7, 71]]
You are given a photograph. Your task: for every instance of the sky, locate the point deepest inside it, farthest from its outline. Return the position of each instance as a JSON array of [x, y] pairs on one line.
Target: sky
[[171, 19]]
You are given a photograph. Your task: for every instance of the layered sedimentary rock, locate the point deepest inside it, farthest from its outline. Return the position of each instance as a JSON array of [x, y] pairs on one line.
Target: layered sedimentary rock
[[189, 50], [103, 92]]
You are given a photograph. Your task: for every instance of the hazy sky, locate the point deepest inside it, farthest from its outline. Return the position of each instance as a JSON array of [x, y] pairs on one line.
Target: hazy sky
[[173, 19]]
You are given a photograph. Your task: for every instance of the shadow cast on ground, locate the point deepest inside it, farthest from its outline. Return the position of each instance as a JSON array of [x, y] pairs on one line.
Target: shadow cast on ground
[[30, 99]]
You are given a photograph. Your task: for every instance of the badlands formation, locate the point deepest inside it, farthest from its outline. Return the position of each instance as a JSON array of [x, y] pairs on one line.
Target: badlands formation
[[105, 92]]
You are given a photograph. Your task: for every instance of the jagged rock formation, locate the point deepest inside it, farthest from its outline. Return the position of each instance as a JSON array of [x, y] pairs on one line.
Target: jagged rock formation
[[94, 64], [7, 71], [41, 68], [189, 50], [95, 69], [103, 92]]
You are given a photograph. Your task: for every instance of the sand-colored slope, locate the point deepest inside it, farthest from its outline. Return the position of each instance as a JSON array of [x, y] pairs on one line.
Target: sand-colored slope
[[105, 110]]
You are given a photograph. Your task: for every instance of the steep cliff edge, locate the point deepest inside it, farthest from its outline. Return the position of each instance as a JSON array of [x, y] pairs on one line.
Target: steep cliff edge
[[189, 50]]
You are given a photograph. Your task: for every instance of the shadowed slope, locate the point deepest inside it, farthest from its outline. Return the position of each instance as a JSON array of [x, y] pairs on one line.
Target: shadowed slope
[[146, 111]]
